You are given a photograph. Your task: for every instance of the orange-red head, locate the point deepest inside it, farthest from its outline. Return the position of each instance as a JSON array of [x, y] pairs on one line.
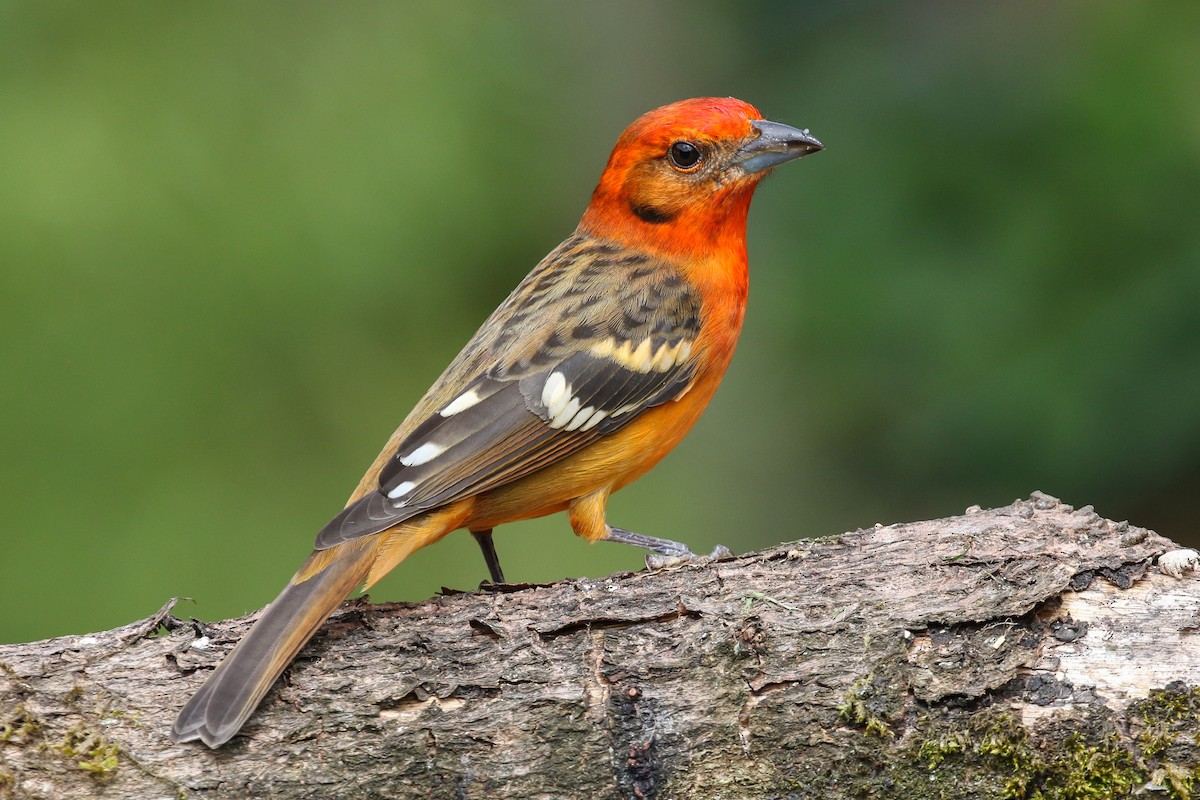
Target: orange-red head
[[680, 178]]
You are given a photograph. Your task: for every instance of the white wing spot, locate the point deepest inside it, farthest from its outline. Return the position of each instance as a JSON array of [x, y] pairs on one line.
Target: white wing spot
[[594, 421], [554, 388], [560, 403], [402, 489], [425, 453], [461, 403], [580, 418], [564, 416]]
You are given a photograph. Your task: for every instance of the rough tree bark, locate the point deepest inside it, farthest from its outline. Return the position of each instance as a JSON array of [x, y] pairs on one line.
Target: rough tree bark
[[1027, 651]]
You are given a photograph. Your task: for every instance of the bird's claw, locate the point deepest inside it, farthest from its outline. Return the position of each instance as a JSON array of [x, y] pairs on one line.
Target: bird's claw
[[657, 561], [721, 551]]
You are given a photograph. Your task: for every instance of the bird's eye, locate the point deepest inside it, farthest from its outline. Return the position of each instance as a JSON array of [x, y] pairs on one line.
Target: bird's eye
[[684, 156]]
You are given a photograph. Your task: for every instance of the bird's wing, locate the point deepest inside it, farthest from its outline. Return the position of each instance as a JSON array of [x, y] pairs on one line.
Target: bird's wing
[[592, 338]]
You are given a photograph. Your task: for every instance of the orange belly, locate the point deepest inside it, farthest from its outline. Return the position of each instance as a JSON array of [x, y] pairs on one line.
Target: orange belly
[[614, 461]]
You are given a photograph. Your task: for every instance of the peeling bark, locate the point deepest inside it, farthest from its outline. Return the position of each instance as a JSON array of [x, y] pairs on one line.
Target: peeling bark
[[1027, 651]]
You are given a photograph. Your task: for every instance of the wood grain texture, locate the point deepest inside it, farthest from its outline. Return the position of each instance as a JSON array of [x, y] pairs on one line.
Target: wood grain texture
[[995, 654]]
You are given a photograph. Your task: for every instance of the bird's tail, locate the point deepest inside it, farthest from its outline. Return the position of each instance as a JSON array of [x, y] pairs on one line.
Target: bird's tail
[[234, 690]]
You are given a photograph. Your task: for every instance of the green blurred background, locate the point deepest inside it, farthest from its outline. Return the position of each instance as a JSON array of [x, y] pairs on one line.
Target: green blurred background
[[239, 240]]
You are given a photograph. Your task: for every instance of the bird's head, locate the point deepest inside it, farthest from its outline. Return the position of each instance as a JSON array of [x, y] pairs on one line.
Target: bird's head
[[681, 176]]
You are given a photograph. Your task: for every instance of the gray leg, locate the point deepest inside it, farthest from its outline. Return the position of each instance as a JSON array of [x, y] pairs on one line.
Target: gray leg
[[664, 547], [664, 552]]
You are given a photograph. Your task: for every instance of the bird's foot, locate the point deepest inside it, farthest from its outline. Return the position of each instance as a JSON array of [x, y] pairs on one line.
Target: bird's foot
[[655, 561], [663, 552]]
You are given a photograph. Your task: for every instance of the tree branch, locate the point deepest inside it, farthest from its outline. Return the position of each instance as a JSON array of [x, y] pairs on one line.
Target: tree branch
[[1001, 653]]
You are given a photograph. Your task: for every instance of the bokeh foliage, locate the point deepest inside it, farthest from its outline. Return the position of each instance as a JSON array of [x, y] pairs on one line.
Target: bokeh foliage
[[237, 241]]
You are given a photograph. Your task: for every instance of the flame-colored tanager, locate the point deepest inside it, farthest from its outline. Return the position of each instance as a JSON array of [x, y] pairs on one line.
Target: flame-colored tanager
[[589, 373]]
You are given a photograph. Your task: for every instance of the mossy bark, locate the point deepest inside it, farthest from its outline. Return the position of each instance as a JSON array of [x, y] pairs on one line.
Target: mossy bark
[[1031, 651]]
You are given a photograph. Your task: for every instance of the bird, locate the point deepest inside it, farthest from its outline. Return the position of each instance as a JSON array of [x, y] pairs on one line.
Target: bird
[[591, 371]]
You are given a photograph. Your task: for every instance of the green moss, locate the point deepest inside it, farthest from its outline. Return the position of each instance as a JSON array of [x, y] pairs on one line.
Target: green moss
[[977, 749], [992, 745], [993, 754], [934, 750], [96, 754], [859, 708], [1090, 772], [1177, 781], [1166, 727], [18, 724]]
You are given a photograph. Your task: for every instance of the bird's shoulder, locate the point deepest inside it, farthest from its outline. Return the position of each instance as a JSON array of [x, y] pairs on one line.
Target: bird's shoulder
[[587, 295]]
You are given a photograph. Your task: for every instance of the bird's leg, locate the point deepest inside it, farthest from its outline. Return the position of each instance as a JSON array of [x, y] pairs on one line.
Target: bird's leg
[[663, 552], [587, 520], [484, 538], [664, 547]]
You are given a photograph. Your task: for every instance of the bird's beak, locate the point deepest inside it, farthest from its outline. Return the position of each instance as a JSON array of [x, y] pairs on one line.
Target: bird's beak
[[775, 144]]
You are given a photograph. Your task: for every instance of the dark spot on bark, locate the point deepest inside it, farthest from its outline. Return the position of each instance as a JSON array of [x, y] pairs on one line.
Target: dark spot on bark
[[1124, 576], [486, 628], [635, 743], [1082, 580], [642, 769], [1068, 631]]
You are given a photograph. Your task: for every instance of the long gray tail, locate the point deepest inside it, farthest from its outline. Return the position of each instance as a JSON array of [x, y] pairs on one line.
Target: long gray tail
[[235, 688]]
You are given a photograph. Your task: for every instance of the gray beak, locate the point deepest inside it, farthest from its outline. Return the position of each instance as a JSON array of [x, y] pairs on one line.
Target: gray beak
[[776, 143]]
